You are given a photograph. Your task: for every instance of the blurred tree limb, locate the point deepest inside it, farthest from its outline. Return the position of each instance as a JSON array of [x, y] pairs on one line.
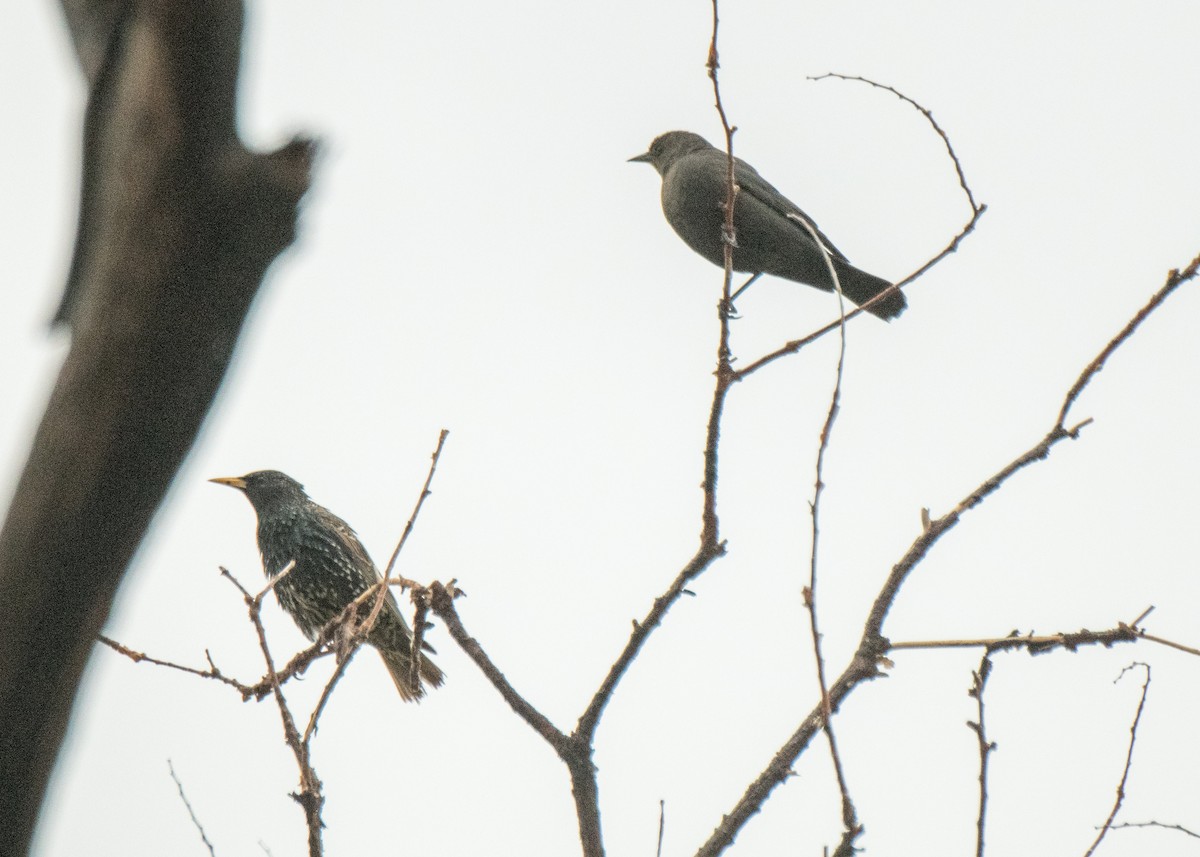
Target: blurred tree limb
[[178, 224]]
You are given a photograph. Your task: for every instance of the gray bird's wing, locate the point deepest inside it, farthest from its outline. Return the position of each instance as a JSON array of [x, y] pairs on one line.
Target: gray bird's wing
[[754, 185]]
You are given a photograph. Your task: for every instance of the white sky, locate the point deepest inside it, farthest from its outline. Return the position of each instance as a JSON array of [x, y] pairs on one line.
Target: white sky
[[477, 255]]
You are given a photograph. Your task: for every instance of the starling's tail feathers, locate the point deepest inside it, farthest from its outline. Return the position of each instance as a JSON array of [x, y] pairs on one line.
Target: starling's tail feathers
[[860, 287], [399, 665], [430, 673]]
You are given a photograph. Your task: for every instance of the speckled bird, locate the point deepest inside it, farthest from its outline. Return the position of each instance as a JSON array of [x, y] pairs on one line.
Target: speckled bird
[[332, 569]]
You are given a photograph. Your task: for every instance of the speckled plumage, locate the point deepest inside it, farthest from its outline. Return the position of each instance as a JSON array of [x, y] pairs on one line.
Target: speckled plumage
[[332, 569]]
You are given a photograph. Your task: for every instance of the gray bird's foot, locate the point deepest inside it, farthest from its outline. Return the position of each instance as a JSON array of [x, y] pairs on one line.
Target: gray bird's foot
[[743, 287]]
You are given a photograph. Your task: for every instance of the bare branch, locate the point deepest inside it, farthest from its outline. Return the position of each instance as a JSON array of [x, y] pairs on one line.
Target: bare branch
[[574, 750], [1137, 718], [383, 592], [962, 179], [1035, 644], [1191, 650], [272, 582], [662, 826], [1174, 279], [309, 797], [851, 827], [872, 647], [441, 598], [314, 718], [1163, 825], [641, 631], [986, 747], [188, 804], [141, 657], [710, 545], [425, 492]]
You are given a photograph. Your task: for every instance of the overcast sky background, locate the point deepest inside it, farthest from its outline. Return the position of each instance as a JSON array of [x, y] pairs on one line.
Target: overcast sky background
[[476, 255]]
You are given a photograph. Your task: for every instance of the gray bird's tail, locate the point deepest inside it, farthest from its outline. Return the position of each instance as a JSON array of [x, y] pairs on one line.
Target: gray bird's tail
[[399, 665], [860, 287]]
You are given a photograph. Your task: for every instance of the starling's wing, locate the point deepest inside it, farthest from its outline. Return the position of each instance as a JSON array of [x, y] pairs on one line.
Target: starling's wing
[[362, 560], [394, 640], [754, 185]]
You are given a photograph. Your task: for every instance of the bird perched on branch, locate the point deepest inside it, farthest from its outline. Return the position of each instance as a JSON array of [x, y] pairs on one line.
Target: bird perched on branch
[[768, 241], [332, 568]]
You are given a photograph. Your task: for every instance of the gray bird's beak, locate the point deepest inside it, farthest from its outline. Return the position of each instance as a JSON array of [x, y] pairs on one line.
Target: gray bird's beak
[[232, 481], [643, 158]]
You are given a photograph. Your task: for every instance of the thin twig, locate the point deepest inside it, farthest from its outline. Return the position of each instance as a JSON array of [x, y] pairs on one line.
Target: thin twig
[[1128, 760], [1178, 827], [986, 747], [1174, 279], [384, 592], [708, 552], [340, 670], [141, 657], [273, 581], [852, 829], [662, 826], [962, 179], [1162, 641], [425, 492], [187, 803]]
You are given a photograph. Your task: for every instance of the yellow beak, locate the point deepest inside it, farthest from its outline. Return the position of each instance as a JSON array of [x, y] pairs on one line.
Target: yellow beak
[[232, 481]]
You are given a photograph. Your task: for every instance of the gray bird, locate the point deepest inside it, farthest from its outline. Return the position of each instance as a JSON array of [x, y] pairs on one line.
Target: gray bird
[[768, 242], [332, 569]]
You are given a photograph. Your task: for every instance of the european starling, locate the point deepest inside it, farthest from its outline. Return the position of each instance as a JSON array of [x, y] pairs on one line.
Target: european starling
[[694, 189], [332, 569]]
